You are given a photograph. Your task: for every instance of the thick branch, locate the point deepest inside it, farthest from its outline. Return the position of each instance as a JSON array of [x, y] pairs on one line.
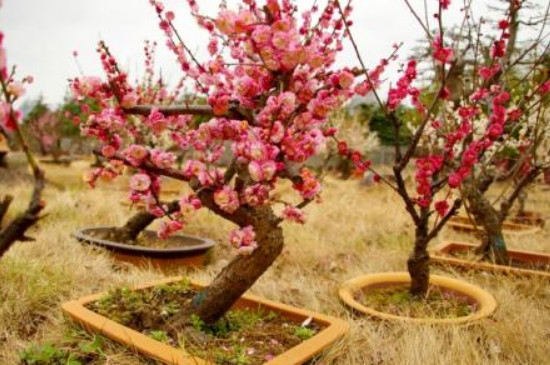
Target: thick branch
[[454, 209], [402, 191], [241, 217], [4, 205], [525, 180], [130, 231], [199, 110], [148, 166], [16, 229], [171, 110]]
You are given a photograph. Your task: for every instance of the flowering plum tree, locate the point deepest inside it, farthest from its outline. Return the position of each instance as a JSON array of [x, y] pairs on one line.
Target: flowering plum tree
[[45, 126], [461, 136], [11, 90], [270, 84], [524, 77], [519, 71]]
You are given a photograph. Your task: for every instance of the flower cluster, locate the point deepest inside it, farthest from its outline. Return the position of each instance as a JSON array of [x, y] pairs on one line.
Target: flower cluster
[[458, 137], [244, 240], [441, 53], [403, 89], [270, 83], [12, 90]]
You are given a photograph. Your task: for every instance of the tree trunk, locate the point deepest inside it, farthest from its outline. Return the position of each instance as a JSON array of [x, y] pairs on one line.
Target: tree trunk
[[513, 29], [493, 248], [97, 162], [16, 229], [130, 231], [244, 270], [3, 162], [485, 215], [4, 206], [418, 265], [522, 199]]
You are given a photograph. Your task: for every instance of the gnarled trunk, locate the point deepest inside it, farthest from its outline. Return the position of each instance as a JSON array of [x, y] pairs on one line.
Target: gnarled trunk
[[130, 231], [17, 228], [485, 215], [243, 271], [522, 200], [493, 247]]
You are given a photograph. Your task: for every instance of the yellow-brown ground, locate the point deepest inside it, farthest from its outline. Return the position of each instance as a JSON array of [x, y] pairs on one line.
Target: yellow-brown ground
[[356, 230]]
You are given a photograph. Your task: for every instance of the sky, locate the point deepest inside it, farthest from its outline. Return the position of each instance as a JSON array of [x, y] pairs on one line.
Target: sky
[[40, 36]]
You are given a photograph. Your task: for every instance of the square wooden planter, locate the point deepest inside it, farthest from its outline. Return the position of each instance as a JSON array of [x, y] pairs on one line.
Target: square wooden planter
[[334, 329], [441, 254]]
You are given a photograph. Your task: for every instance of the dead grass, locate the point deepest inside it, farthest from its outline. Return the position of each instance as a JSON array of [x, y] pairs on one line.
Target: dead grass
[[356, 230]]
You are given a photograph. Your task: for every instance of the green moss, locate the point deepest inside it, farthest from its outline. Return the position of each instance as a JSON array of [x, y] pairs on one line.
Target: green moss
[[160, 336], [242, 337], [304, 333], [78, 348], [397, 300]]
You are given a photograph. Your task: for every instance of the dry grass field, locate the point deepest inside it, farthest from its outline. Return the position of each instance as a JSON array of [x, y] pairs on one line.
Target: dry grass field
[[356, 230]]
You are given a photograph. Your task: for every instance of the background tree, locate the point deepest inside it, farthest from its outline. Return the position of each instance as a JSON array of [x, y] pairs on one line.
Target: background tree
[[459, 133], [45, 128], [517, 64], [15, 229]]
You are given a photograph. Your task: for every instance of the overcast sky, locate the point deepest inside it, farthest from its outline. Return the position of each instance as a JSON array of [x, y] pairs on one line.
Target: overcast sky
[[41, 35]]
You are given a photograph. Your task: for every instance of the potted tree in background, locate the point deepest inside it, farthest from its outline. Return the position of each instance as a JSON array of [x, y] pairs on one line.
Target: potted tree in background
[[15, 229], [131, 242], [459, 136], [45, 127], [522, 74]]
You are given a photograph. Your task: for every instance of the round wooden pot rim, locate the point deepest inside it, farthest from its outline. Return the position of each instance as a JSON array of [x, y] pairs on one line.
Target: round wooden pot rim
[[486, 302], [203, 244]]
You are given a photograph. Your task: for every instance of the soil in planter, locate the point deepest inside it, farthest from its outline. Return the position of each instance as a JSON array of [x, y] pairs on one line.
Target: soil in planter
[[397, 300], [242, 337], [141, 240], [470, 255]]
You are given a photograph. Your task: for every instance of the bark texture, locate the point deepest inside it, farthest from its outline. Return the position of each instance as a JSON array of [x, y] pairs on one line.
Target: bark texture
[[418, 263], [4, 206], [244, 270], [130, 231], [3, 162], [16, 229], [493, 246]]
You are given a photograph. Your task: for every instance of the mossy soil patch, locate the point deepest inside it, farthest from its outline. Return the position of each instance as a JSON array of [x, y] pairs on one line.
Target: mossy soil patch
[[141, 241], [396, 299], [242, 337]]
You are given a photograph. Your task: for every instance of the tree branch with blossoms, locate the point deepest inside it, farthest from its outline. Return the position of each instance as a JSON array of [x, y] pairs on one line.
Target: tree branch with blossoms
[[459, 138], [268, 121], [16, 229]]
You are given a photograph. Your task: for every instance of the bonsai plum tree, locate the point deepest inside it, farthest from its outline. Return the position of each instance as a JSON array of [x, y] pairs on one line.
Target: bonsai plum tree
[[521, 75], [458, 137], [15, 229], [270, 82]]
